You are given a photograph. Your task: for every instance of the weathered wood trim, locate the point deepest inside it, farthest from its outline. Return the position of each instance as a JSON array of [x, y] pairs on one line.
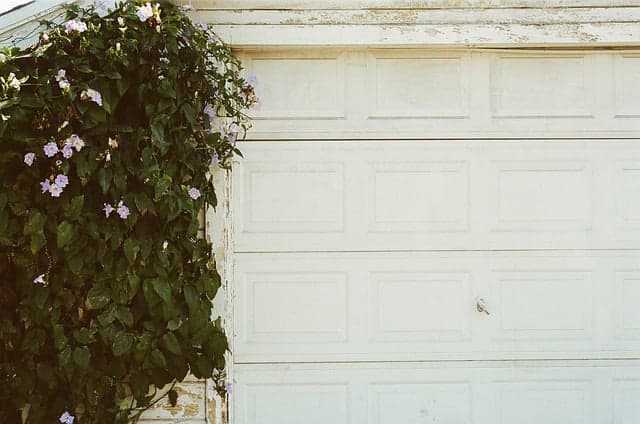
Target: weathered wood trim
[[436, 35], [415, 17], [401, 4]]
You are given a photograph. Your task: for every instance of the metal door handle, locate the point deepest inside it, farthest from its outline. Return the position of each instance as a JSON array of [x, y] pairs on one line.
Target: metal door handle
[[481, 306]]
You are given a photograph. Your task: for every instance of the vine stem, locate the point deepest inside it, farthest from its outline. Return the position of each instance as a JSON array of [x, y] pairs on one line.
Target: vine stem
[[136, 417]]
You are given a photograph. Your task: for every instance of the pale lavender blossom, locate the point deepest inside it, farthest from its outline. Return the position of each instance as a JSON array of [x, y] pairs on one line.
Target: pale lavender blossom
[[252, 80], [108, 209], [123, 211], [91, 94], [40, 280], [165, 60], [55, 190], [67, 151], [62, 181], [228, 386], [214, 160], [120, 21], [144, 12], [64, 85], [50, 149], [194, 193], [66, 418], [75, 141], [29, 158], [75, 25], [209, 110], [46, 184]]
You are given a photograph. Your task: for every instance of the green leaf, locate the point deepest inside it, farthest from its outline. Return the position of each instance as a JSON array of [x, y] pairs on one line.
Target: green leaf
[[104, 179], [131, 250], [74, 208], [82, 357], [171, 343], [122, 344], [37, 242], [65, 233], [158, 359], [163, 288], [35, 223], [124, 315], [97, 297]]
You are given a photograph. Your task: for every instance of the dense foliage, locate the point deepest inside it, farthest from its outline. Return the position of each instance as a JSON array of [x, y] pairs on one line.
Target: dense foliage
[[109, 126]]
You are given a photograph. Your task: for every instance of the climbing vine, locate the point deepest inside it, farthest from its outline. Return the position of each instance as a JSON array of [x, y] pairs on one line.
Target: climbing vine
[[110, 125]]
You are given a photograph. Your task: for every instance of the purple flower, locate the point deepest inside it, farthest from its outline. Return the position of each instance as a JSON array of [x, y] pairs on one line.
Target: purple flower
[[66, 418], [61, 75], [64, 85], [120, 21], [214, 160], [107, 209], [67, 151], [194, 193], [91, 94], [144, 12], [55, 190], [29, 158], [46, 184], [75, 25], [209, 110], [228, 386], [123, 211], [62, 181], [252, 80], [50, 149]]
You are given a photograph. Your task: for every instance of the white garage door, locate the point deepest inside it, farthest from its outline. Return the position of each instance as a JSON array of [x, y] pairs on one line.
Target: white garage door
[[479, 281]]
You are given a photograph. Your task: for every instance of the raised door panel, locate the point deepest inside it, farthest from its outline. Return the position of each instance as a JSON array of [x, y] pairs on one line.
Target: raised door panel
[[419, 93], [402, 306], [437, 195], [556, 392]]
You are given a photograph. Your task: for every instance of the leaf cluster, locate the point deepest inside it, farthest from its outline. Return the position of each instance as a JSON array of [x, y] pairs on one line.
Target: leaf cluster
[[98, 312]]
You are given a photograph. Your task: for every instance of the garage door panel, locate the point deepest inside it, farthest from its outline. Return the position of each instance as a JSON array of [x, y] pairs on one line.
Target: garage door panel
[[541, 86], [479, 195], [581, 392], [419, 305], [410, 307], [416, 403], [543, 305], [418, 93], [550, 401]]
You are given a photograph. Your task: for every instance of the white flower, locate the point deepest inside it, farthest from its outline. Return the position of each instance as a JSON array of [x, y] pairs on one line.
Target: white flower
[[61, 75], [75, 25], [118, 47], [113, 143], [64, 85], [120, 21], [55, 190], [3, 58], [145, 12], [165, 244], [29, 158], [13, 81], [75, 141], [108, 158], [91, 94], [40, 280]]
